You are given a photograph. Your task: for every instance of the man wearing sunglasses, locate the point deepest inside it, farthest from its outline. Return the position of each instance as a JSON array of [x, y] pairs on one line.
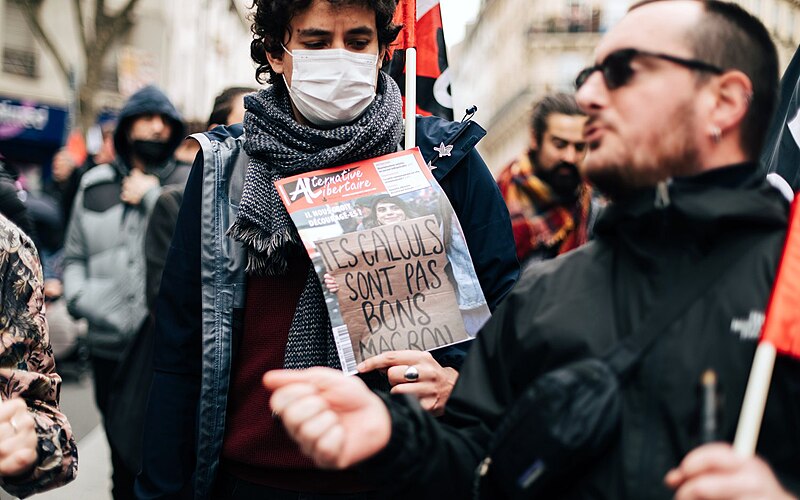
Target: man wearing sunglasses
[[678, 103], [550, 204]]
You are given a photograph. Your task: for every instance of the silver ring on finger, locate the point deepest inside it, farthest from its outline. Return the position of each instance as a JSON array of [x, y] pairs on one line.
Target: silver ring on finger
[[411, 374]]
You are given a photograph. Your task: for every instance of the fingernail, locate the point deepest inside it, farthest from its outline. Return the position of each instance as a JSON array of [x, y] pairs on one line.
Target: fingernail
[[360, 367]]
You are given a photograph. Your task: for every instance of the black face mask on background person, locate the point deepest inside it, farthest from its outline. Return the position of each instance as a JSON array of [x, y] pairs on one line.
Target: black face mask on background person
[[152, 152], [564, 179]]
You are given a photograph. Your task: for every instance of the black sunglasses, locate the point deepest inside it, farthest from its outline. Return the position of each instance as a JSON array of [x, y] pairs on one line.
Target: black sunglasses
[[616, 67]]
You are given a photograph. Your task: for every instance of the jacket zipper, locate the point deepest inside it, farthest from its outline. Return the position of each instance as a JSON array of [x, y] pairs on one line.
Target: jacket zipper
[[662, 194]]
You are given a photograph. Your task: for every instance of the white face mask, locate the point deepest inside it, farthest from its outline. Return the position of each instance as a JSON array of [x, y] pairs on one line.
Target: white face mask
[[332, 86]]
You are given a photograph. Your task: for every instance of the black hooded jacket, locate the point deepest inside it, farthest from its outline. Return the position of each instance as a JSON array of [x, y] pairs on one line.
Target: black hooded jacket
[[149, 100], [580, 304]]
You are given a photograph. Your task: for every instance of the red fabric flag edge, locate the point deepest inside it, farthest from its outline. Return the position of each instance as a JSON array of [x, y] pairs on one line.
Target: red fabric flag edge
[[782, 325], [406, 14]]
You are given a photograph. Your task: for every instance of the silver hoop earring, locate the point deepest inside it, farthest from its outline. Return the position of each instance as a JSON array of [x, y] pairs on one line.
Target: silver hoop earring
[[716, 135]]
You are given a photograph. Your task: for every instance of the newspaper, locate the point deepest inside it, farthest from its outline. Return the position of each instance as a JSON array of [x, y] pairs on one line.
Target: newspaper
[[390, 254]]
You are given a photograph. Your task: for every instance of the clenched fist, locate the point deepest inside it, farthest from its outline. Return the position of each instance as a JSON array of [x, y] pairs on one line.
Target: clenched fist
[[136, 185], [18, 439]]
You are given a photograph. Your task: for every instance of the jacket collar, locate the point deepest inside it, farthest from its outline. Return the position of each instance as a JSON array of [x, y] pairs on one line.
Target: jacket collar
[[698, 207], [444, 143]]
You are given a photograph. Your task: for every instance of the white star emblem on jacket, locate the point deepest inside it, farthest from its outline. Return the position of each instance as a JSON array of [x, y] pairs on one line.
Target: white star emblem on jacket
[[443, 150]]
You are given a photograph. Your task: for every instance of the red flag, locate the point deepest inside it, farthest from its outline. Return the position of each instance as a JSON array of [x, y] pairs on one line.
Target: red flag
[[77, 147], [406, 14], [782, 326], [422, 20]]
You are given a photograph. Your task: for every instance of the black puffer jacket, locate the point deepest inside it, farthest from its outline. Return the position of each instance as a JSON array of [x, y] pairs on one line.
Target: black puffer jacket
[[580, 304]]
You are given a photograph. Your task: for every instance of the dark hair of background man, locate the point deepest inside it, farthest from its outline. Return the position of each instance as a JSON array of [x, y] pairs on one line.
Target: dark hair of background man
[[563, 104], [223, 104]]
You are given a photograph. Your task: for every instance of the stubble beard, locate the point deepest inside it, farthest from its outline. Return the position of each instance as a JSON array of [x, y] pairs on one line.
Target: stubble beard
[[675, 153]]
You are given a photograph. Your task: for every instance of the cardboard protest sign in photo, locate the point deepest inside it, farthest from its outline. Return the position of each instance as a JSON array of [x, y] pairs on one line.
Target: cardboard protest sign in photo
[[390, 254], [395, 293]]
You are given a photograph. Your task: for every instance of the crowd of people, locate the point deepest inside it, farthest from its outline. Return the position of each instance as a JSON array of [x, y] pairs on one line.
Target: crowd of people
[[635, 232]]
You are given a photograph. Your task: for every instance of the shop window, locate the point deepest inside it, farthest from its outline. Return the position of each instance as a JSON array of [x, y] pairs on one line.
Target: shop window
[[109, 79], [19, 48]]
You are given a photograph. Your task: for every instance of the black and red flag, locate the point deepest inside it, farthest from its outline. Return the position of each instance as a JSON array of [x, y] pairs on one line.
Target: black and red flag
[[780, 334], [422, 28], [781, 152]]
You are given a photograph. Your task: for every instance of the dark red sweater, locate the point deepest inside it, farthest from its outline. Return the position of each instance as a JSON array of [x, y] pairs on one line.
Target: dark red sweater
[[256, 447]]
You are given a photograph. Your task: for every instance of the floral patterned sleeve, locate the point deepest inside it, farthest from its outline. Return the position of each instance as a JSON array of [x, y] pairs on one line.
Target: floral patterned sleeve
[[27, 366]]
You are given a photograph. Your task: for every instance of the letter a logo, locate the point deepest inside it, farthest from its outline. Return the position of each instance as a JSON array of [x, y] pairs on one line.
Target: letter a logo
[[303, 187]]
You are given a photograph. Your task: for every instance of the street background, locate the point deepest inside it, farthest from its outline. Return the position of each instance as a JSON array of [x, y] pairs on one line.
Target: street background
[[503, 56]]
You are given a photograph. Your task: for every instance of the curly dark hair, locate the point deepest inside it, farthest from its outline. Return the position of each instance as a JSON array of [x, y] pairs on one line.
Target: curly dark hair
[[271, 20]]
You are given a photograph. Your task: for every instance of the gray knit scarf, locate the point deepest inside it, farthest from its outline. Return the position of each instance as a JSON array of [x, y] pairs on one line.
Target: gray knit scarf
[[280, 147]]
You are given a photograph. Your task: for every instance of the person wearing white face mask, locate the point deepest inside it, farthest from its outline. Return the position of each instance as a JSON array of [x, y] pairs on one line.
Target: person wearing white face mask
[[239, 295], [331, 87]]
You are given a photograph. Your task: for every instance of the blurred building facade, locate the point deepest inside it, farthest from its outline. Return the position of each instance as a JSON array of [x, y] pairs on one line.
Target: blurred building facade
[[782, 18], [192, 49], [518, 50]]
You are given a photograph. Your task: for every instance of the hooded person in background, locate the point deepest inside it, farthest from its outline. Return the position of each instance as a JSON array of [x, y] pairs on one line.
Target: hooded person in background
[[104, 262]]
